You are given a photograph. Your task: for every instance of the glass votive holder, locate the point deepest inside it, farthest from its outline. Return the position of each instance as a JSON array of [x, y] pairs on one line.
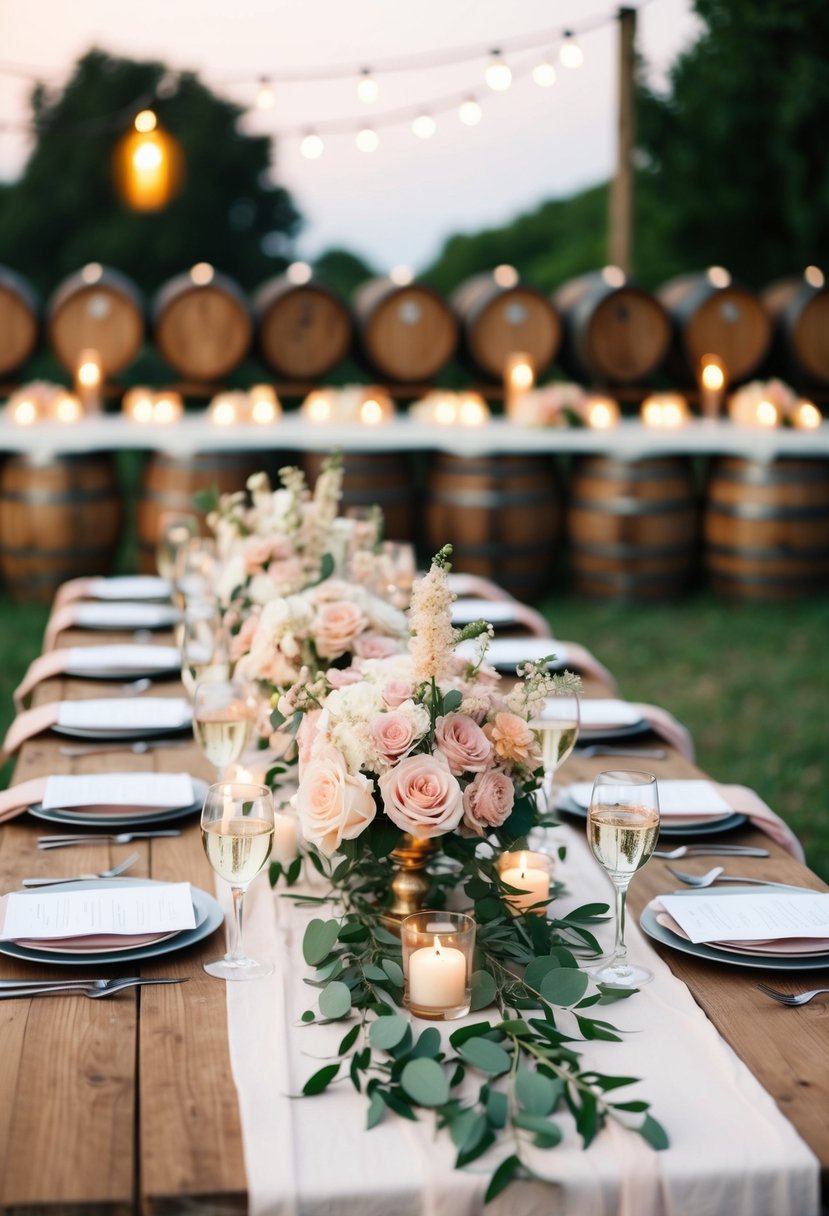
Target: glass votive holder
[[437, 964], [285, 835], [529, 875]]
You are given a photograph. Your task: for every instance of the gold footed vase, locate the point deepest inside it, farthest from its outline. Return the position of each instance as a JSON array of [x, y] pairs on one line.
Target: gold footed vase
[[410, 884]]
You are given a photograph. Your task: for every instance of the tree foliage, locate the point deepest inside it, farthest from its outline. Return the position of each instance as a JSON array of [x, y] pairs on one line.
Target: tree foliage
[[65, 211]]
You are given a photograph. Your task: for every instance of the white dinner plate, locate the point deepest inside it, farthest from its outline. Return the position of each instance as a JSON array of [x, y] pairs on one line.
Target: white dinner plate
[[209, 916], [678, 827], [764, 962], [87, 818]]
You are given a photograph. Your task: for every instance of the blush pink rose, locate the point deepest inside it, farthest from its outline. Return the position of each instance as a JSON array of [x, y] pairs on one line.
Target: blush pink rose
[[257, 552], [422, 797], [393, 735], [376, 646], [396, 692], [341, 678], [513, 740], [487, 801], [336, 626], [463, 743], [333, 805], [240, 643]]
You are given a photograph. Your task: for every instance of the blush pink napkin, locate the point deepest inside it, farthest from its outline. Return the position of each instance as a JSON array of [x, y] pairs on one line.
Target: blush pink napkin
[[61, 618], [30, 722], [42, 668], [762, 817], [75, 589], [580, 658], [668, 728], [482, 588], [15, 800]]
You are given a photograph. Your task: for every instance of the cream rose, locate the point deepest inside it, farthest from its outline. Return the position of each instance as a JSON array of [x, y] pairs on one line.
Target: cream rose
[[421, 796], [393, 735], [463, 743], [487, 801], [333, 805], [336, 626]]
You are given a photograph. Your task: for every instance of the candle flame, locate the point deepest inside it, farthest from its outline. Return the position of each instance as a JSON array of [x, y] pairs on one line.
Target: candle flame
[[712, 374]]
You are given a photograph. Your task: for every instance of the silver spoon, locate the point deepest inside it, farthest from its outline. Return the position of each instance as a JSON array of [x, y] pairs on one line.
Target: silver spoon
[[718, 875], [112, 873], [136, 687], [717, 850]]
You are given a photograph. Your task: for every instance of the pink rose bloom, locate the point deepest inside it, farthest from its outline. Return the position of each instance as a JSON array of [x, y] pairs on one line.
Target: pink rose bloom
[[393, 735], [487, 801], [375, 646], [287, 571], [513, 740], [422, 797], [396, 692], [463, 743], [333, 805], [257, 552], [336, 626], [240, 643], [341, 678]]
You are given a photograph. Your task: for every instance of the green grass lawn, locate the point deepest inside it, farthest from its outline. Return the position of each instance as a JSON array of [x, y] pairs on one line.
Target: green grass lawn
[[749, 681]]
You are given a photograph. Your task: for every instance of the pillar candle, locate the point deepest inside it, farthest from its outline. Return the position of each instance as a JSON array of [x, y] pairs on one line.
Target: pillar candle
[[437, 977]]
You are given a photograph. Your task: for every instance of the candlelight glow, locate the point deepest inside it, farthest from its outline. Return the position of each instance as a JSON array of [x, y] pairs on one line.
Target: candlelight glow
[[318, 405], [445, 411], [24, 412], [89, 369], [371, 412], [67, 408], [470, 112], [145, 121], [472, 410], [666, 410], [806, 415], [223, 410], [264, 404], [139, 404], [602, 413], [712, 375], [168, 408], [148, 164], [767, 413]]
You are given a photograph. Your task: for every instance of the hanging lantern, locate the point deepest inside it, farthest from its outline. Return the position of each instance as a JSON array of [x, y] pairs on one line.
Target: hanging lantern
[[148, 165]]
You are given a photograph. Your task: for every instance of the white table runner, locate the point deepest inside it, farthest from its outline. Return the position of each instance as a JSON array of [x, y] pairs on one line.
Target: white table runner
[[732, 1152]]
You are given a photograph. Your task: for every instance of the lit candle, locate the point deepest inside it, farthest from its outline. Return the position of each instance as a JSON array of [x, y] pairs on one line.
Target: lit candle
[[371, 412], [602, 413], [265, 406], [65, 407], [318, 406], [437, 976], [224, 409], [24, 411], [712, 381], [767, 413], [285, 837], [88, 379], [139, 404], [531, 881], [519, 377], [806, 415], [667, 410], [167, 408], [472, 410]]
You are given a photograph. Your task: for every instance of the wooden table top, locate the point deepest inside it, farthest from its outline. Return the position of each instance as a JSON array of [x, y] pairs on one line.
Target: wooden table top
[[127, 1105]]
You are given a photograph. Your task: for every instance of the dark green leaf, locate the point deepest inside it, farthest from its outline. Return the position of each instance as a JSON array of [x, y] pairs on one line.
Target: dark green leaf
[[496, 1108], [385, 938], [293, 871], [587, 1118], [308, 1016], [483, 990], [207, 500], [376, 1107], [318, 941], [489, 909], [375, 975], [425, 1082], [564, 986], [634, 1107], [428, 1044], [397, 1103], [591, 1028], [386, 1032], [348, 1040], [538, 969], [469, 1032], [486, 1056], [274, 873], [353, 932], [452, 700], [537, 1094], [335, 1000], [476, 888], [476, 1147], [320, 1080], [547, 1134], [654, 1133], [611, 995], [502, 1177]]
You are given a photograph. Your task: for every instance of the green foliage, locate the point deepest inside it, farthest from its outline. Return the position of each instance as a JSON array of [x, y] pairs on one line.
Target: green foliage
[[64, 210], [342, 270]]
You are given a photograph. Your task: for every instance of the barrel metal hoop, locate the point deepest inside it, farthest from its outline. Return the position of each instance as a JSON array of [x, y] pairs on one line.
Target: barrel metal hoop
[[633, 506], [62, 498], [632, 471], [757, 474], [500, 548], [489, 498], [646, 552], [765, 551], [760, 511]]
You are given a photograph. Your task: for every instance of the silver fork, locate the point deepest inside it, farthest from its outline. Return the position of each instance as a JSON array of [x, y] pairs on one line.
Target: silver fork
[[111, 873], [138, 748], [58, 842], [135, 687], [718, 875], [91, 988], [792, 999], [704, 850]]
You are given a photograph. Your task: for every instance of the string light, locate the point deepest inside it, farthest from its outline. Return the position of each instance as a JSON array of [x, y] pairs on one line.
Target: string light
[[401, 276], [367, 140], [570, 54], [368, 89], [202, 273], [312, 146], [299, 273], [718, 276], [424, 126], [498, 74], [265, 95], [505, 276], [145, 121], [544, 74], [470, 112], [814, 276]]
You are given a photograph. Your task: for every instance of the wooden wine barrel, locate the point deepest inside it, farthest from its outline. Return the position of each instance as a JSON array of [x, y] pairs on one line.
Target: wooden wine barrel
[[729, 321], [767, 528], [501, 514], [57, 521], [614, 332], [168, 488], [303, 329], [404, 334], [632, 528], [801, 319], [96, 309], [202, 324], [497, 322], [19, 324], [385, 479]]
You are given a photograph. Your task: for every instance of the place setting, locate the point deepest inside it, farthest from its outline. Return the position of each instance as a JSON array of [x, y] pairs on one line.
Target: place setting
[[119, 800], [105, 719]]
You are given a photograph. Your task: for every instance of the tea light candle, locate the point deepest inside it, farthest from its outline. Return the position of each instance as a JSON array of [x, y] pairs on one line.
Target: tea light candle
[[712, 380], [472, 410], [667, 410], [66, 407], [167, 408], [285, 837], [318, 406], [806, 415], [531, 881], [265, 406], [375, 408], [138, 404], [601, 413], [437, 976], [224, 409], [24, 411]]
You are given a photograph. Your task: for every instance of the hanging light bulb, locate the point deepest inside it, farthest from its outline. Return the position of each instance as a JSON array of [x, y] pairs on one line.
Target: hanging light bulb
[[148, 165], [265, 95], [311, 146], [470, 112], [145, 120], [571, 54], [367, 87], [498, 74], [544, 74], [424, 126], [814, 276], [367, 139]]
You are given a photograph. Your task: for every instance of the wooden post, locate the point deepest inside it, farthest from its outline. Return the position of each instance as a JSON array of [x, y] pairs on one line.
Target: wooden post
[[621, 193]]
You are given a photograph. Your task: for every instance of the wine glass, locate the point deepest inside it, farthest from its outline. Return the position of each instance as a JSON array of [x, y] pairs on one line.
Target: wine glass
[[237, 834], [196, 564], [203, 645], [557, 729], [222, 718], [396, 568], [622, 829], [173, 531]]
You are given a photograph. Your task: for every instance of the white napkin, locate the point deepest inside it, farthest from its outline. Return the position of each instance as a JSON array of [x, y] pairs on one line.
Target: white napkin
[[743, 918], [127, 657], [123, 911], [608, 712], [678, 799], [125, 616], [129, 587], [498, 612], [125, 713], [165, 790]]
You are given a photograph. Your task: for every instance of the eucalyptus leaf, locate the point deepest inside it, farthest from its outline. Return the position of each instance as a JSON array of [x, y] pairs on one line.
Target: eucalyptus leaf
[[547, 1134], [537, 1094], [319, 940], [654, 1133], [428, 1044], [335, 1000], [425, 1082], [502, 1177], [394, 971], [564, 986], [484, 990], [538, 969], [486, 1056], [386, 1032], [376, 1107], [321, 1079]]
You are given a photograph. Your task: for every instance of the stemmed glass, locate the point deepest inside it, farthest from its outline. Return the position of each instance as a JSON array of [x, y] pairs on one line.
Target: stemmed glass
[[174, 532], [622, 829], [203, 645], [193, 577], [237, 833], [223, 714], [557, 729]]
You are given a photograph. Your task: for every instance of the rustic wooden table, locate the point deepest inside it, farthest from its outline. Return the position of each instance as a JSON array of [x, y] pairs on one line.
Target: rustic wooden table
[[127, 1105]]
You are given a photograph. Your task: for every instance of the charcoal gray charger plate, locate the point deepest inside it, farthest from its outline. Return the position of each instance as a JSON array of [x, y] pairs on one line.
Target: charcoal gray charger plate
[[708, 827], [121, 735], [92, 819], [606, 734], [209, 916], [762, 962]]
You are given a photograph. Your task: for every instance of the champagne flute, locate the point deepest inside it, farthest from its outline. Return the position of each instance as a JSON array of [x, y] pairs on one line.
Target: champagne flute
[[222, 720], [396, 569], [195, 567], [173, 531], [557, 729], [622, 829], [237, 827], [203, 645]]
